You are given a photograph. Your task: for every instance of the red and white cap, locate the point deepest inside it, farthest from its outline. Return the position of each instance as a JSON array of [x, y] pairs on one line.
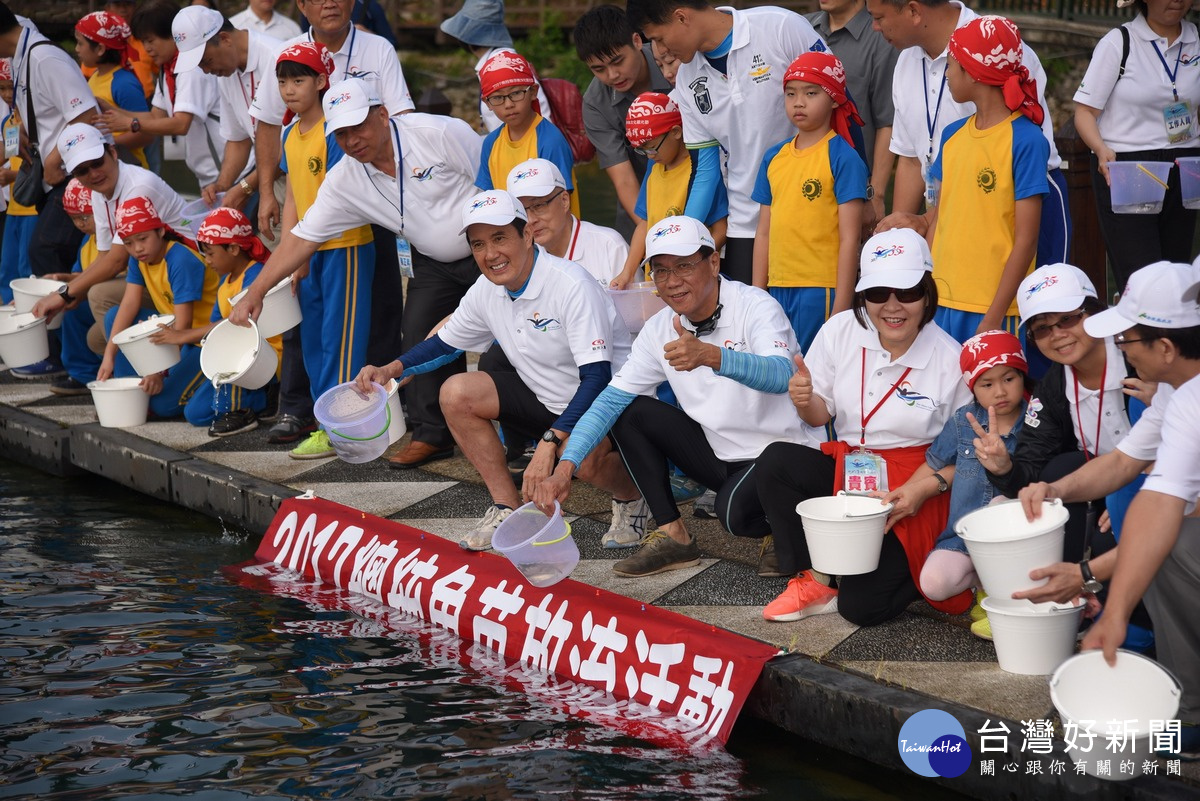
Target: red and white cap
[[990, 349], [192, 27], [650, 116], [225, 226], [505, 69], [313, 55], [535, 178], [1154, 297], [135, 215], [677, 236], [493, 207]]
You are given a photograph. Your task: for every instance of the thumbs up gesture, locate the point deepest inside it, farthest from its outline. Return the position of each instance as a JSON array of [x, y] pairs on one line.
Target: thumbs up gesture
[[800, 388], [688, 352]]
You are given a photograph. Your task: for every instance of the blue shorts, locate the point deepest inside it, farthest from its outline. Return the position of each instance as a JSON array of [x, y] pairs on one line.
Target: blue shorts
[[806, 307], [962, 325]]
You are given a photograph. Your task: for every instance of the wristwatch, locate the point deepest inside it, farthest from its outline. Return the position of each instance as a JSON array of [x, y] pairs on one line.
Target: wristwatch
[[870, 192], [64, 292], [1090, 582], [942, 485], [550, 436], [135, 125], [244, 185]]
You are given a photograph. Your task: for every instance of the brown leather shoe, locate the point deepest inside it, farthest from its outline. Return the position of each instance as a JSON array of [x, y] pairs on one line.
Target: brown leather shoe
[[417, 453]]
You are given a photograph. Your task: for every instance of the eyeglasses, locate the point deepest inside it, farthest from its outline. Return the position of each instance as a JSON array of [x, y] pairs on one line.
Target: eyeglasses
[[539, 208], [880, 294], [516, 96], [1064, 322], [684, 270], [83, 169], [1121, 339], [652, 151]]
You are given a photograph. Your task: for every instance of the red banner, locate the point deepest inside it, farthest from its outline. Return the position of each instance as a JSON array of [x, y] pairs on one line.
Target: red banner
[[684, 675]]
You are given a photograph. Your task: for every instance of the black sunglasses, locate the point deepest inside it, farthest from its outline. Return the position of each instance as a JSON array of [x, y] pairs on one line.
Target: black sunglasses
[[880, 294]]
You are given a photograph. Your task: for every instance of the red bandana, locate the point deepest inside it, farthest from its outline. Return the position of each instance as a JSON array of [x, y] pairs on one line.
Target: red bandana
[[313, 55], [989, 50], [137, 215], [650, 116], [503, 70], [5, 69], [226, 226], [990, 349], [826, 71], [109, 30], [77, 199]]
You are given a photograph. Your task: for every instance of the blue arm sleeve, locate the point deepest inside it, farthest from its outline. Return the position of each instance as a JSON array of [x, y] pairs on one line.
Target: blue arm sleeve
[[764, 373], [427, 355], [593, 378], [595, 423], [705, 180]]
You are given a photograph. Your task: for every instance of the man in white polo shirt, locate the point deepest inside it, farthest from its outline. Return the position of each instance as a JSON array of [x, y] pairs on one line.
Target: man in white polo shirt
[[410, 174], [261, 16], [563, 337], [726, 349], [730, 90], [244, 61], [920, 30]]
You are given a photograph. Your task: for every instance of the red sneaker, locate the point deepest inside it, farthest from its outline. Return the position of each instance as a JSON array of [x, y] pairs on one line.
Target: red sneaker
[[804, 597]]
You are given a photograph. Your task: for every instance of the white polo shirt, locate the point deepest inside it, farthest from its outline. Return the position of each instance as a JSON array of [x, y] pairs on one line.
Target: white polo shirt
[[602, 251], [1111, 421], [196, 93], [1176, 469], [240, 109], [363, 55], [1132, 108], [60, 92], [561, 321], [279, 27], [490, 121], [1143, 439], [738, 422], [744, 112], [440, 158], [135, 181], [917, 85], [913, 409]]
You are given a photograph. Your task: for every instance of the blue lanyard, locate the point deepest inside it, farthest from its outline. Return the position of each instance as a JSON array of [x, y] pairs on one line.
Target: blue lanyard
[[931, 121], [349, 53], [1163, 61]]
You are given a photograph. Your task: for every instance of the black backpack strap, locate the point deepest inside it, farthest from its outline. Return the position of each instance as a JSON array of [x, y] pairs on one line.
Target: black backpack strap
[[31, 131], [1124, 50]]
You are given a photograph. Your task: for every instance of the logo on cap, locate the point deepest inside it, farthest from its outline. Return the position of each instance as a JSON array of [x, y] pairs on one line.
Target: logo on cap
[[1048, 281], [888, 252], [521, 176], [180, 38], [667, 229], [342, 98], [74, 140], [1153, 319], [485, 201]]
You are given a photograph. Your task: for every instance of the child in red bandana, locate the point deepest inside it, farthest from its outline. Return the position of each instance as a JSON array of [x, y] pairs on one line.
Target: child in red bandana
[[78, 359], [102, 43], [811, 188]]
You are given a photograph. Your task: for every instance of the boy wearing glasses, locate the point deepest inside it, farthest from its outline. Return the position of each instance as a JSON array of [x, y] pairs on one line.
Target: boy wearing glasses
[[654, 126], [509, 87]]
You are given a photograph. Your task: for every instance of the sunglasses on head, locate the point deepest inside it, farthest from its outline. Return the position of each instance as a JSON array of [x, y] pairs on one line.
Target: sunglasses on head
[[880, 294]]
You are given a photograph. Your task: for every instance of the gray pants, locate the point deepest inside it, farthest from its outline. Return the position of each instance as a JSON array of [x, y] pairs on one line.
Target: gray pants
[[1171, 600]]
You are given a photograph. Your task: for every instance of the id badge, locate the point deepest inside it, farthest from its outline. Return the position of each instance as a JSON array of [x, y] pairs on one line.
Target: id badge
[[12, 138], [931, 189], [1178, 119], [865, 472], [404, 254]]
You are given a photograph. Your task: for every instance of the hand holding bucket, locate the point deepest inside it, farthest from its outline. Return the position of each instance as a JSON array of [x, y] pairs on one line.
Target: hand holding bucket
[[357, 422]]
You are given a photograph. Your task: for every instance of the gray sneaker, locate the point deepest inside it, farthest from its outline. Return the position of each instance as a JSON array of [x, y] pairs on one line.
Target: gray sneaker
[[705, 505], [768, 562], [628, 524], [658, 554], [480, 537]]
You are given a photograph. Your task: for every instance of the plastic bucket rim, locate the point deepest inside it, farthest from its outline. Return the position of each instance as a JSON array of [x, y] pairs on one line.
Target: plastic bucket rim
[[386, 426], [530, 508], [886, 508], [22, 325], [1045, 525], [123, 337], [357, 418], [567, 533]]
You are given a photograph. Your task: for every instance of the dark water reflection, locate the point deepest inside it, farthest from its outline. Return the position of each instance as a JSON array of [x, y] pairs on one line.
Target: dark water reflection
[[132, 667]]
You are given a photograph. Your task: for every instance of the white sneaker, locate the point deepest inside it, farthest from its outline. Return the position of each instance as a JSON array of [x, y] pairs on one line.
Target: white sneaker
[[628, 524], [480, 537]]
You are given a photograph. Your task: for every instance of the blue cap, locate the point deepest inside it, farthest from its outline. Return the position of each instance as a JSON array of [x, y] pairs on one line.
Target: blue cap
[[479, 23]]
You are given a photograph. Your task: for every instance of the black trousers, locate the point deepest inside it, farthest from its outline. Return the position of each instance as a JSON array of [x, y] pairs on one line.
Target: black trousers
[[738, 263], [56, 240], [295, 393], [786, 474], [433, 292], [1135, 240], [387, 300], [649, 433]]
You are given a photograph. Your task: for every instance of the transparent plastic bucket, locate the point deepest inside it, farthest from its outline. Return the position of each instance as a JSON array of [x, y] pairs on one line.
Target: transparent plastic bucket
[[1189, 181], [1138, 187], [357, 424], [637, 304], [1004, 546], [540, 547], [844, 532]]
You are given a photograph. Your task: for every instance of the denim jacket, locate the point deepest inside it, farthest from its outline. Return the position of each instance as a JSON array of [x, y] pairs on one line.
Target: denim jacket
[[971, 489]]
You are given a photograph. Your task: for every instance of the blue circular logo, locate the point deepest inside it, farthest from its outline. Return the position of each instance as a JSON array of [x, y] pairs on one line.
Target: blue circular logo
[[933, 743]]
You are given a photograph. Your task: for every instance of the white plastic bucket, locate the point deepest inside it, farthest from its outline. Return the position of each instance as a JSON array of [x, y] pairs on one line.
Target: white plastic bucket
[[28, 291], [280, 311], [234, 354], [1098, 698], [396, 428], [540, 547], [120, 402], [357, 424], [1138, 187], [1004, 546], [844, 532], [1032, 639], [637, 304], [147, 357], [23, 339], [1189, 181], [5, 313]]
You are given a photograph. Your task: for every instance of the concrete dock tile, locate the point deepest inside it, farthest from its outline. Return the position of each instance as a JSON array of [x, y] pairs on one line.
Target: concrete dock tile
[[588, 532], [599, 573], [178, 434], [255, 440], [19, 393], [277, 467], [376, 499], [814, 636], [460, 500], [375, 471], [728, 583], [66, 415], [915, 638]]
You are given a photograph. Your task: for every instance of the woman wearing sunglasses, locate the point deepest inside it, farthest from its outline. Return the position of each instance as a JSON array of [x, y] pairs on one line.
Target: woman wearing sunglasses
[[888, 378]]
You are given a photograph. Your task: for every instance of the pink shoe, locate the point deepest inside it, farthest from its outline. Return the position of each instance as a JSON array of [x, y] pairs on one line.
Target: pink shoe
[[804, 597]]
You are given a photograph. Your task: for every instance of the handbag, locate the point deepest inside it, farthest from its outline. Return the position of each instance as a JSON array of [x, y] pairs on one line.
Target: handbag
[[29, 189]]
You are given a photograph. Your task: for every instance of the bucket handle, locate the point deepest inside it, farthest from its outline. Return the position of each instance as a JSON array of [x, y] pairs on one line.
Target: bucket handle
[[887, 507], [386, 426], [560, 539]]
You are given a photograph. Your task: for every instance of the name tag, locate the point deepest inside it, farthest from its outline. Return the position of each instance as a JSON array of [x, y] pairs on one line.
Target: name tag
[[865, 472], [12, 138], [1178, 119], [931, 188], [404, 254]]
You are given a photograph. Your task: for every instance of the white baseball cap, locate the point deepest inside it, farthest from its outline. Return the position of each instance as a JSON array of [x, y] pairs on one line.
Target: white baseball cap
[[192, 27], [347, 102], [493, 207], [677, 236], [1055, 288], [1154, 296], [898, 258], [535, 178], [80, 143]]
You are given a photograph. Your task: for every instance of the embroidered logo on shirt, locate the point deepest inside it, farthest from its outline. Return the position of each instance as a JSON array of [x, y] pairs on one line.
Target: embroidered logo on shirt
[[315, 165], [986, 180], [760, 71], [700, 94], [732, 345], [914, 399], [598, 344], [544, 324], [425, 173], [811, 189]]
